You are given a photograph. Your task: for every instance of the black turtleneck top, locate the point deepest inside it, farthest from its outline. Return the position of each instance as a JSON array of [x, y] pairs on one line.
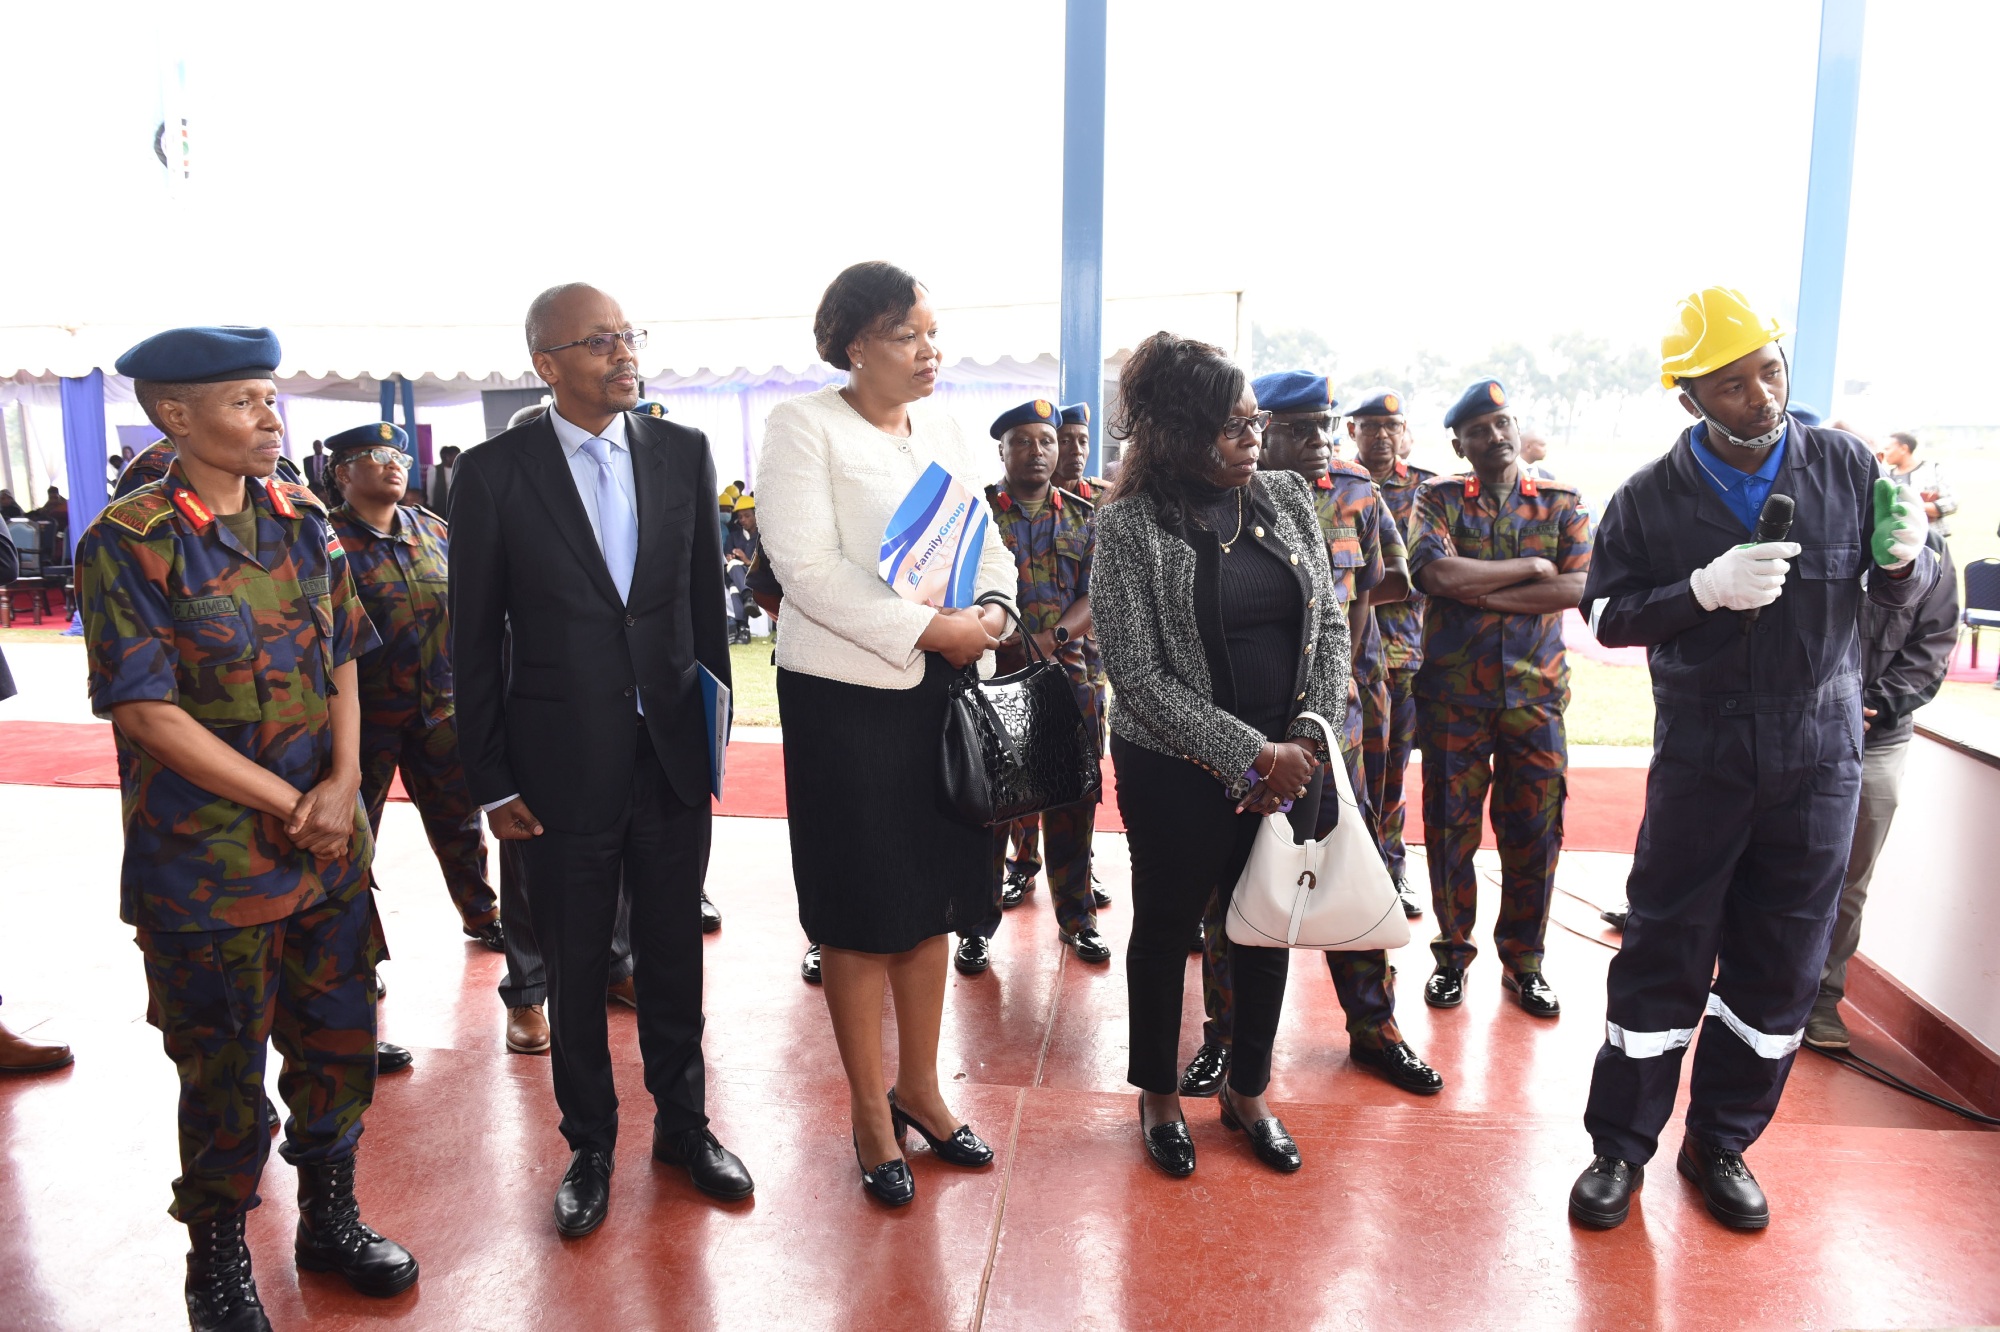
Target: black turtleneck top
[[1261, 615]]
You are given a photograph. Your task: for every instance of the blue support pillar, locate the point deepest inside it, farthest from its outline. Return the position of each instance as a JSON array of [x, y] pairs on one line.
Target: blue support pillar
[[388, 387], [85, 454], [1823, 266], [1083, 217]]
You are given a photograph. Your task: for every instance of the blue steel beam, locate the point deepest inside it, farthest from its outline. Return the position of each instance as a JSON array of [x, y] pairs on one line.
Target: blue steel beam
[[1830, 186], [1083, 217]]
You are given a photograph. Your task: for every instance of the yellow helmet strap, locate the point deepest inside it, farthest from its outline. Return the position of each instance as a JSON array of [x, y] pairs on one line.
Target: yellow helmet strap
[[1763, 441]]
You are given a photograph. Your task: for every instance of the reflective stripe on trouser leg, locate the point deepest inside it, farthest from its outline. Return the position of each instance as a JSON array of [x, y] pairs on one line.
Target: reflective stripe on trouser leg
[[1458, 747], [1530, 756]]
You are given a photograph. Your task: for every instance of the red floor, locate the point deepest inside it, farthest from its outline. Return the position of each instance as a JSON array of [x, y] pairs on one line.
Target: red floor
[[1446, 1213]]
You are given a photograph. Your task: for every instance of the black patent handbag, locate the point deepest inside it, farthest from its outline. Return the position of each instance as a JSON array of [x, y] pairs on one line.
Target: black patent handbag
[[1017, 744]]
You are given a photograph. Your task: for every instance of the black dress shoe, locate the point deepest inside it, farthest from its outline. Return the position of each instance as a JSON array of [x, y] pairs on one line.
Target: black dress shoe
[[1099, 896], [1445, 988], [1602, 1195], [1531, 990], [962, 1148], [585, 1194], [391, 1058], [809, 967], [890, 1182], [332, 1237], [1616, 917], [1087, 944], [1412, 908], [974, 955], [1168, 1144], [714, 1169], [491, 935], [221, 1293], [711, 916], [1399, 1064], [1726, 1184], [1274, 1146], [1200, 938], [1014, 889], [1206, 1070]]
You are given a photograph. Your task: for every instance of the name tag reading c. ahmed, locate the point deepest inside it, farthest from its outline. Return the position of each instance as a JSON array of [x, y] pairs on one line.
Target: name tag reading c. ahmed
[[930, 549]]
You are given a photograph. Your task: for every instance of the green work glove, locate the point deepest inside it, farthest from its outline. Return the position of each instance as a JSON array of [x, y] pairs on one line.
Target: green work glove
[[1900, 525]]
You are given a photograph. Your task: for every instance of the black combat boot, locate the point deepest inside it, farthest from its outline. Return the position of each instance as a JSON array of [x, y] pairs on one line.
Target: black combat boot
[[332, 1239], [221, 1293]]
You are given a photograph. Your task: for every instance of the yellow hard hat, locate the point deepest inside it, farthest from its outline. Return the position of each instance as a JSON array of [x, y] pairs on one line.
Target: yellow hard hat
[[1712, 328], [746, 502]]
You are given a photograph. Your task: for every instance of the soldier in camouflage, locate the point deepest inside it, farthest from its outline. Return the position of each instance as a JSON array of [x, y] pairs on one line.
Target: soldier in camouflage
[[223, 630], [1501, 556], [1072, 457], [1052, 535]]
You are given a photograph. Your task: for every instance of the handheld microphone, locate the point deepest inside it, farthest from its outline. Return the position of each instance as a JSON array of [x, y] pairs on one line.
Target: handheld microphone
[[1774, 523]]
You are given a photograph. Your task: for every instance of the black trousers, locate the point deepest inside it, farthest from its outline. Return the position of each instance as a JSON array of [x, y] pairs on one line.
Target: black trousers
[[1187, 841], [527, 978], [659, 847]]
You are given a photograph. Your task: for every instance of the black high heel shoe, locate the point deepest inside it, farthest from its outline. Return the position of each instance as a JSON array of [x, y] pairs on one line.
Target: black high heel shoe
[[889, 1182], [962, 1148], [1274, 1146]]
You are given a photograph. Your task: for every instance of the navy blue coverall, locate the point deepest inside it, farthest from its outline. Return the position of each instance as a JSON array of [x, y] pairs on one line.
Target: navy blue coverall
[[1752, 793]]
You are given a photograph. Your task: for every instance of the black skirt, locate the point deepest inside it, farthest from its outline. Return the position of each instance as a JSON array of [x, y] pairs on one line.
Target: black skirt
[[879, 866]]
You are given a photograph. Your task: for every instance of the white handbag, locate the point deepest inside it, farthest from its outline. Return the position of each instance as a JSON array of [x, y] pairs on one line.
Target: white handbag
[[1334, 894]]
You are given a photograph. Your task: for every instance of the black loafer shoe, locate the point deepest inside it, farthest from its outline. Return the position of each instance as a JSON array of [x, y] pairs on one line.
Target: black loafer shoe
[[1206, 1070], [809, 966], [711, 918], [1531, 990], [1014, 890], [585, 1194], [1087, 944], [974, 955], [1200, 938], [391, 1058], [1099, 896], [1726, 1184], [889, 1183], [492, 935], [1274, 1146], [1445, 988], [962, 1148], [1168, 1144], [1601, 1198], [1616, 917], [714, 1169], [1400, 1065], [1412, 908]]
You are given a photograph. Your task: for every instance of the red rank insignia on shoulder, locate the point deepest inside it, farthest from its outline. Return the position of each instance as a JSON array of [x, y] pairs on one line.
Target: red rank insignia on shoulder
[[1528, 486], [191, 506], [281, 503], [1055, 498], [1325, 482], [1472, 487]]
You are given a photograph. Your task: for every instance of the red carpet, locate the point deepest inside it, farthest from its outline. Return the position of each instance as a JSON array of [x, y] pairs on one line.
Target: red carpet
[[1602, 815]]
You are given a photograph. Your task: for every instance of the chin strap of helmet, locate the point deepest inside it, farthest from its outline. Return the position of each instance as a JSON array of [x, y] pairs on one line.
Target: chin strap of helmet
[[1769, 437]]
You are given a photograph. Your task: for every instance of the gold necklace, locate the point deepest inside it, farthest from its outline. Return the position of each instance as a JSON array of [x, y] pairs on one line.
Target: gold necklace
[[1237, 535]]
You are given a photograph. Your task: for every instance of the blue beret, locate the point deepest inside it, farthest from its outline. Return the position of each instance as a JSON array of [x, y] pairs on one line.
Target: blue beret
[[203, 356], [1483, 397], [1379, 402], [1077, 413], [1292, 391], [373, 435], [647, 407], [1039, 412], [1806, 415]]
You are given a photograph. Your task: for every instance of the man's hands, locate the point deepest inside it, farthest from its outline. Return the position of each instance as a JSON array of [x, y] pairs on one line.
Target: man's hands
[[322, 822], [1744, 577], [1901, 525], [514, 821], [1287, 768], [959, 636]]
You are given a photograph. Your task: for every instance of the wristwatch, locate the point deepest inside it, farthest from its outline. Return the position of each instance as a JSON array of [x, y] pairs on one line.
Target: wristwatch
[[1061, 635]]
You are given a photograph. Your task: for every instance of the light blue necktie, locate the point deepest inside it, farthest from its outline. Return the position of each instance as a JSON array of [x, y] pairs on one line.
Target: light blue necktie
[[617, 525]]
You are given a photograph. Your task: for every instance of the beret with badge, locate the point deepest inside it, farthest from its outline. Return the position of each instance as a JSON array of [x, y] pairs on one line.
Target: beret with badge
[[1039, 412], [1293, 391], [1379, 402], [1482, 398], [374, 435], [647, 407], [1077, 413], [204, 355]]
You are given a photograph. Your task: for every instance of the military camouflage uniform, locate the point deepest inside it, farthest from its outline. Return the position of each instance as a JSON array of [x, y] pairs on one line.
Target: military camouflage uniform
[[246, 938], [1490, 698], [1351, 515], [1052, 552], [407, 719], [1390, 713]]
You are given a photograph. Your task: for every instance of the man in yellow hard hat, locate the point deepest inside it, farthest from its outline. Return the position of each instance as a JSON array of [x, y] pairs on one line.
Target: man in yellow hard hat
[[1750, 621]]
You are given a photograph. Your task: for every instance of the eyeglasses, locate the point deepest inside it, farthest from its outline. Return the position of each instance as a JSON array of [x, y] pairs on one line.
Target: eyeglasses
[[383, 457], [600, 343], [1379, 428], [1305, 429], [1234, 427]]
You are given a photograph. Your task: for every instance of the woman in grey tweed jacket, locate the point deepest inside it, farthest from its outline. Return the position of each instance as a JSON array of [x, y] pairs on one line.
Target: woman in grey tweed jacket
[[1216, 614]]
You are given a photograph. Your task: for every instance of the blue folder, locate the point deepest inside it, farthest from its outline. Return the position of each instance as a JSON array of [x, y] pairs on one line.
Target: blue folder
[[720, 712]]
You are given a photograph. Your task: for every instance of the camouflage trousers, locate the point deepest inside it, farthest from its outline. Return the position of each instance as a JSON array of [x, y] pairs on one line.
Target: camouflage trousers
[[1070, 830], [1363, 982], [220, 997], [1521, 755], [1389, 726], [435, 780]]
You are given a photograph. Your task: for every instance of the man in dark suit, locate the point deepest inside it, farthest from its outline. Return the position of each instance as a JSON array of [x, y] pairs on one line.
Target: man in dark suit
[[587, 532]]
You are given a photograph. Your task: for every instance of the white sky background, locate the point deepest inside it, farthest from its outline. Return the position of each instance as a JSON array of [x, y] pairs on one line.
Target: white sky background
[[1408, 176]]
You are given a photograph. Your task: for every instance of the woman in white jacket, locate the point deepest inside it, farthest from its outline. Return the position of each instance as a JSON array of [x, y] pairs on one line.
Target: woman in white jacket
[[862, 676]]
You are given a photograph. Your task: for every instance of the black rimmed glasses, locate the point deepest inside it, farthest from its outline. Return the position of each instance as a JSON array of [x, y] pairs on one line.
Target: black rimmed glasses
[[600, 344], [1234, 427]]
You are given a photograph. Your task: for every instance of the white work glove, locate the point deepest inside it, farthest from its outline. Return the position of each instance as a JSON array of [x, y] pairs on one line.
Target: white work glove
[[1744, 577]]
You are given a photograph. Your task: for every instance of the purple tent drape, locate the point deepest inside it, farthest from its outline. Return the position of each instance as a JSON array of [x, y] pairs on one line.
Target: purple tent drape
[[84, 451]]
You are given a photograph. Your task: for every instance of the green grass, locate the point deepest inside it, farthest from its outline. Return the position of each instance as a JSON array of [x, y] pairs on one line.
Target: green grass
[[1608, 705], [50, 632], [755, 681]]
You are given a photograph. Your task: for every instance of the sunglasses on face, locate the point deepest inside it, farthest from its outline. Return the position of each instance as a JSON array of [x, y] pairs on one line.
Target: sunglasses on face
[[1234, 427], [382, 457], [600, 344]]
